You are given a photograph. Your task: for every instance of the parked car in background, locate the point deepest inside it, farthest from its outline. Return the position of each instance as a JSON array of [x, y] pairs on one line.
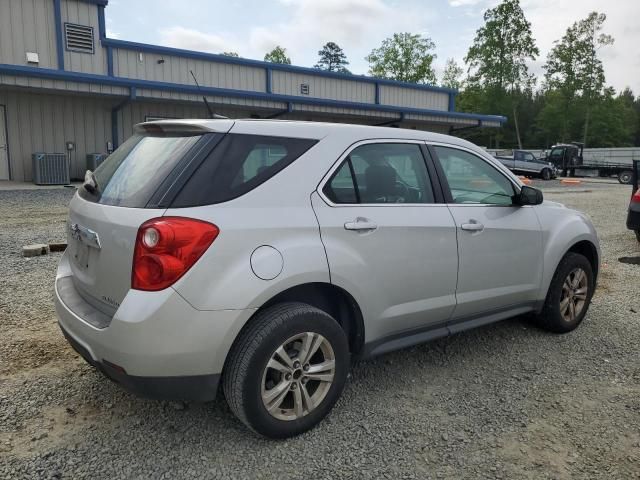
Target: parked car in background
[[525, 163], [266, 255], [633, 215]]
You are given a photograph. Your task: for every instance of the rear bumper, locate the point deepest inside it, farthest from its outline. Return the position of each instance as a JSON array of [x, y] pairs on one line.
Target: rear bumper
[[156, 345], [199, 388]]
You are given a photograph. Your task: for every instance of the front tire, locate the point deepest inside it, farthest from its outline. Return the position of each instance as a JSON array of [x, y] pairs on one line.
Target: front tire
[[546, 174], [569, 294], [286, 370]]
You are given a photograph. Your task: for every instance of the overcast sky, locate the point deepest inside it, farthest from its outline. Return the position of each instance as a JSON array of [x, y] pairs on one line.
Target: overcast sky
[[253, 27]]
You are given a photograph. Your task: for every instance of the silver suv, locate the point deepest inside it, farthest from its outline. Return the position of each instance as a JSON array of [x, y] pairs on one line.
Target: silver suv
[[267, 255]]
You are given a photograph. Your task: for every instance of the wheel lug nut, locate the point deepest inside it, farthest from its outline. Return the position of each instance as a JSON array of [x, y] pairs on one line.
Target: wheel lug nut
[[287, 376], [306, 367], [304, 380], [293, 386], [296, 365]]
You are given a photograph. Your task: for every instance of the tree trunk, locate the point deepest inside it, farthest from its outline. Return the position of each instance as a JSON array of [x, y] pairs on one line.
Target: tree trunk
[[515, 121], [586, 127]]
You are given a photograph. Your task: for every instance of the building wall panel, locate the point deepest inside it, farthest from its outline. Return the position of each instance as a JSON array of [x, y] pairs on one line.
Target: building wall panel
[[136, 112], [84, 13], [413, 98], [288, 83], [172, 69], [213, 100], [45, 122], [27, 26], [43, 83]]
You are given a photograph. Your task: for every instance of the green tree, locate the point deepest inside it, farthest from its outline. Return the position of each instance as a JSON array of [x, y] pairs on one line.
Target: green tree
[[452, 75], [332, 58], [573, 65], [278, 55], [613, 120], [405, 57], [498, 58]]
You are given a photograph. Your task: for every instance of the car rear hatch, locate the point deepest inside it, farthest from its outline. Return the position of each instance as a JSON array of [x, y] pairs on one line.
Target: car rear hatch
[[126, 190]]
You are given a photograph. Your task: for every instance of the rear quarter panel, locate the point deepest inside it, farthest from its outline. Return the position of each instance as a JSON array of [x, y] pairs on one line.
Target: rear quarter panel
[[277, 213]]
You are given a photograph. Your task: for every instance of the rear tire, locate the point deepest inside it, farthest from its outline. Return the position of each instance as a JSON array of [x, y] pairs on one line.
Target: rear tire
[[546, 174], [569, 295], [281, 397], [625, 177]]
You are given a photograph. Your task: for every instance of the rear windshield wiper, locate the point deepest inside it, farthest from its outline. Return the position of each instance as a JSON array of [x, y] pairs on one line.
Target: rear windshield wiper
[[90, 184]]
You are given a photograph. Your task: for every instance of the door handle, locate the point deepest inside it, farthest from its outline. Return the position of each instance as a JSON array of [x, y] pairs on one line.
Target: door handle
[[360, 224], [472, 226]]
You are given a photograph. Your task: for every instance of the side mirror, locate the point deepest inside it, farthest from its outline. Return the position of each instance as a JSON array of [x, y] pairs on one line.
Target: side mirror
[[528, 196]]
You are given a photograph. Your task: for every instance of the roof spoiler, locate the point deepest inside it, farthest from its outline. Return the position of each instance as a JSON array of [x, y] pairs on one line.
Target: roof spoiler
[[185, 127]]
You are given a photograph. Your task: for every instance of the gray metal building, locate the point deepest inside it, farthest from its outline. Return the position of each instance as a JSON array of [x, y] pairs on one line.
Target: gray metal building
[[65, 87]]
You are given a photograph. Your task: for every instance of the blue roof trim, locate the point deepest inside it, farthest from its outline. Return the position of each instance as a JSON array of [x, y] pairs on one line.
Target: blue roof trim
[[102, 3], [192, 89], [212, 57]]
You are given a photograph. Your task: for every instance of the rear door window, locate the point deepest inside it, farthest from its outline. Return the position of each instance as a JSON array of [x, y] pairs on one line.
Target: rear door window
[[131, 174], [381, 173], [237, 165]]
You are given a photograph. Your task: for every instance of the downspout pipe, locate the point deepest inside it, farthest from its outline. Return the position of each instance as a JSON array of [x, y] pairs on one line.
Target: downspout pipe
[[114, 116]]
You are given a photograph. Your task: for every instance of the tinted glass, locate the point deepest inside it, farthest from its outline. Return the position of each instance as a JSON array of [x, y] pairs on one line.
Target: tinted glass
[[237, 165], [557, 152], [131, 174], [384, 173], [472, 180], [340, 189]]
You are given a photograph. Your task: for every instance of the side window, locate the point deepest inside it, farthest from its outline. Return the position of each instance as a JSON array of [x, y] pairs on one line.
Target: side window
[[258, 160], [473, 180], [237, 165], [341, 189], [381, 173], [556, 152]]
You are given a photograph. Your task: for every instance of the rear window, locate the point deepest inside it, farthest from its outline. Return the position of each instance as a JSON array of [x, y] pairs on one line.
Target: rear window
[[131, 174], [237, 165]]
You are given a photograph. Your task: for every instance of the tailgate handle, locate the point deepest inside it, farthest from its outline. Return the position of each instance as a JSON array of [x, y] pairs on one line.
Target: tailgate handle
[[361, 224]]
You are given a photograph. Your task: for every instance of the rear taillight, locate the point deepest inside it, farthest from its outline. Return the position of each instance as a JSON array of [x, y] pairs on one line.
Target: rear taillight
[[166, 248], [635, 198]]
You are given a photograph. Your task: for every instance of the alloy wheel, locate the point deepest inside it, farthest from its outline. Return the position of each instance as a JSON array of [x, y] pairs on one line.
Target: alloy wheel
[[574, 294], [298, 376]]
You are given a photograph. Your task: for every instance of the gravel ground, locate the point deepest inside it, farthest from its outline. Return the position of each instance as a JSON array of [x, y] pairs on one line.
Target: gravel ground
[[504, 401]]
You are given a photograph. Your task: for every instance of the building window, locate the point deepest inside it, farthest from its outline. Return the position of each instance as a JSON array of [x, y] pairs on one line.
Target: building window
[[304, 88], [78, 38]]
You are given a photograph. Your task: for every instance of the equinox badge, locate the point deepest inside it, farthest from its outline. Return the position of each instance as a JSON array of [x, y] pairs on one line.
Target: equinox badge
[[84, 235]]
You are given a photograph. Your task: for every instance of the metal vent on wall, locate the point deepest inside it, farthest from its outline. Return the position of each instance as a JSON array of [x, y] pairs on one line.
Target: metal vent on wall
[[50, 169], [78, 38]]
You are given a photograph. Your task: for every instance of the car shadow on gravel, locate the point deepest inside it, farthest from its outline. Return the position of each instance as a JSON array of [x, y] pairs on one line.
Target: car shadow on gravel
[[412, 371]]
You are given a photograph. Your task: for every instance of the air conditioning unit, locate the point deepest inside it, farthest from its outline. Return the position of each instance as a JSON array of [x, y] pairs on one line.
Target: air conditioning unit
[[50, 168], [94, 160]]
